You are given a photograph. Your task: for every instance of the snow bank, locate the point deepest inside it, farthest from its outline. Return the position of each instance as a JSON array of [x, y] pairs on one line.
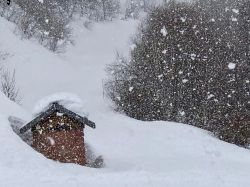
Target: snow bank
[[9, 108], [136, 153], [68, 100]]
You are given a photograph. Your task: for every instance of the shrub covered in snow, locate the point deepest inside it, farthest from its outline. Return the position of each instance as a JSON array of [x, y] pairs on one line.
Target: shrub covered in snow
[[8, 85], [93, 161], [187, 65], [48, 20], [38, 19]]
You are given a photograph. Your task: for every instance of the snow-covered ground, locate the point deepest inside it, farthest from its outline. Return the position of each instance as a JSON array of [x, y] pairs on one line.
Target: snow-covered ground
[[136, 153]]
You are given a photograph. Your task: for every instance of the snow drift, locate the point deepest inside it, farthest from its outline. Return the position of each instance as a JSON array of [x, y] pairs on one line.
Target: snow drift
[[136, 153]]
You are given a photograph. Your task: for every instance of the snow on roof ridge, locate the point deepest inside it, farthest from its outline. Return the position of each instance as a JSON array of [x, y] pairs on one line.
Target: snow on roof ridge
[[70, 101]]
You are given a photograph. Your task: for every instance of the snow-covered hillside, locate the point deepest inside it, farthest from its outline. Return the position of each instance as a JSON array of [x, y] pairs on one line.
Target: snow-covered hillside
[[136, 153]]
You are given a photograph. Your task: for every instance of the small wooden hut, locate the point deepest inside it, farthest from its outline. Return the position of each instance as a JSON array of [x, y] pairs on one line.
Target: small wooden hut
[[58, 134]]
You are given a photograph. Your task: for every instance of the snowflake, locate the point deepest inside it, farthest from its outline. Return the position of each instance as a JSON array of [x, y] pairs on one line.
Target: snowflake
[[193, 56], [182, 113], [164, 51], [184, 81], [234, 19], [51, 141], [180, 72], [231, 65], [164, 31], [160, 77], [46, 33], [183, 19], [235, 11], [131, 89], [210, 96]]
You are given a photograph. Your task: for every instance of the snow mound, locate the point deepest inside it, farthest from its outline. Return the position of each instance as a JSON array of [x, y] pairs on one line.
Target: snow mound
[[68, 100], [9, 108]]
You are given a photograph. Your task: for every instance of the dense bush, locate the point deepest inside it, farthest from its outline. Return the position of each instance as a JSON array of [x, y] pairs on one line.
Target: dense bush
[[190, 64]]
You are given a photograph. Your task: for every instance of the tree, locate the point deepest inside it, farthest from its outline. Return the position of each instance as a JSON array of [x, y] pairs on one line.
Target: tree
[[39, 20], [133, 8], [189, 64], [100, 10]]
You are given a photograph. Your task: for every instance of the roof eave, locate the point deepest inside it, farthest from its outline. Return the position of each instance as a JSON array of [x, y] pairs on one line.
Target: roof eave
[[56, 107]]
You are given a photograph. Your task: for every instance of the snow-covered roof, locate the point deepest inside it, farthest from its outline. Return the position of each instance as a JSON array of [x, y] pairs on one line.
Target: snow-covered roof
[[55, 107], [70, 101]]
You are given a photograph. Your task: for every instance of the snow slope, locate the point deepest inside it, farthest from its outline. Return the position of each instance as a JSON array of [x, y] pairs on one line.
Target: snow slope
[[136, 153]]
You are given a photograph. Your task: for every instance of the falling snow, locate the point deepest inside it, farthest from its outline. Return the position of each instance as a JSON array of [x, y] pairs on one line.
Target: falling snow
[[164, 31], [51, 140], [234, 19], [231, 65], [186, 67], [183, 19], [185, 81], [235, 11]]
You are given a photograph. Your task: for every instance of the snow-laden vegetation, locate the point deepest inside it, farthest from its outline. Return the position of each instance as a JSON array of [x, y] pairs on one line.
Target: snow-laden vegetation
[[189, 64]]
